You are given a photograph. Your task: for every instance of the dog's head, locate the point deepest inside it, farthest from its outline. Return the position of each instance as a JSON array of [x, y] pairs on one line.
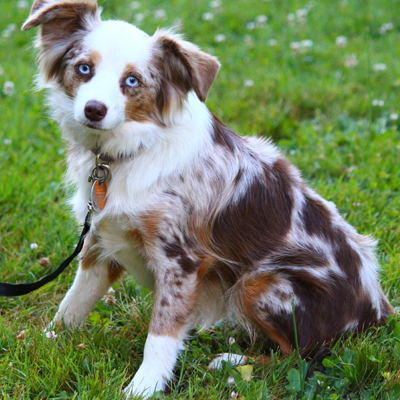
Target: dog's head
[[111, 71]]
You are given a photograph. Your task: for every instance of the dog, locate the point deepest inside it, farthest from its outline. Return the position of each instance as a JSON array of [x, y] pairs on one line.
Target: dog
[[215, 223]]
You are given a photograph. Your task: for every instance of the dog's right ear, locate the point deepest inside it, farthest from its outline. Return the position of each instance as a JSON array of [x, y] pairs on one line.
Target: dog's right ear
[[62, 23]]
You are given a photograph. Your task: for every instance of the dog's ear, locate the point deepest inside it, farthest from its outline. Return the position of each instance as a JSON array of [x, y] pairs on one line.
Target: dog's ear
[[183, 66], [62, 23]]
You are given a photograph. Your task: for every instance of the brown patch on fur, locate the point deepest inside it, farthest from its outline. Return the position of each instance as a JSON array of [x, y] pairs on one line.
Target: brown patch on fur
[[150, 224], [176, 250], [253, 289], [317, 220], [136, 237], [72, 80], [299, 257], [89, 254], [225, 137], [115, 270], [256, 225], [139, 105]]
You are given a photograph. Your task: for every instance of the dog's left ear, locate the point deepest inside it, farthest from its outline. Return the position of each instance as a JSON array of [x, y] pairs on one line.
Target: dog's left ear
[[184, 67]]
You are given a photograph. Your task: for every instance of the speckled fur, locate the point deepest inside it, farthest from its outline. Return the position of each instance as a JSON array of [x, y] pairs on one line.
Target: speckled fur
[[216, 223]]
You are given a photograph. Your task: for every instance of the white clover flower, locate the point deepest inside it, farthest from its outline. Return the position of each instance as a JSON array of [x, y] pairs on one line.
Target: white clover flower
[[231, 339], [7, 142], [248, 40], [135, 5], [33, 246], [301, 14], [220, 38], [291, 19], [351, 60], [250, 25], [12, 27], [22, 4], [51, 335], [306, 43], [231, 381], [341, 41], [6, 33], [379, 67], [386, 27], [248, 83], [160, 14], [215, 4], [378, 103], [208, 16], [261, 19], [139, 17], [272, 42], [234, 395], [394, 117], [9, 88]]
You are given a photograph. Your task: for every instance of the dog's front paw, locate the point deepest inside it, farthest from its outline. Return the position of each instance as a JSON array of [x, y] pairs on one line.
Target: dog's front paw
[[145, 382]]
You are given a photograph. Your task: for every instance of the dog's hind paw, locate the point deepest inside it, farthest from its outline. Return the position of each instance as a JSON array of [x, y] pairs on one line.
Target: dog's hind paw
[[234, 359]]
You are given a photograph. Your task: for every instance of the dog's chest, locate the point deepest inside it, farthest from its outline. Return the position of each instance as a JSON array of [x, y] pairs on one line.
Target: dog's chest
[[116, 243]]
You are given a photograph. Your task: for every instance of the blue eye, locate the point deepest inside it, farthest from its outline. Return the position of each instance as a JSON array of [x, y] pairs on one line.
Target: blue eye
[[132, 81], [84, 69]]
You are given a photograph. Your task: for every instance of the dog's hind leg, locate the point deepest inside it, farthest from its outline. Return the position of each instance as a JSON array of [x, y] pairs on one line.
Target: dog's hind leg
[[91, 283], [274, 299]]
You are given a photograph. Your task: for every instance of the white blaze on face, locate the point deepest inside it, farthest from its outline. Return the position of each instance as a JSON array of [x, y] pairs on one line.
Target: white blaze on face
[[118, 43]]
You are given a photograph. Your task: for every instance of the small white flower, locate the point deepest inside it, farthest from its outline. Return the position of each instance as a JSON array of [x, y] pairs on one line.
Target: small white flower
[[160, 14], [301, 14], [292, 152], [248, 40], [379, 67], [291, 18], [295, 45], [378, 103], [394, 117], [261, 19], [12, 27], [231, 381], [386, 27], [208, 16], [250, 25], [135, 5], [234, 395], [272, 42], [307, 43], [248, 83], [178, 22], [139, 17], [33, 246], [7, 142], [351, 60], [220, 38], [231, 339], [6, 33], [341, 41], [22, 4], [215, 4], [51, 335]]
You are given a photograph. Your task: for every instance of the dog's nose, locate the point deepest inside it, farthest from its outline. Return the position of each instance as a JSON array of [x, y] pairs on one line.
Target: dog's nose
[[95, 111]]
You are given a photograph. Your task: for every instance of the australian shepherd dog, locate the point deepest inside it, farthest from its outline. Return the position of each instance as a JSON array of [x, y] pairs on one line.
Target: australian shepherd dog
[[215, 223]]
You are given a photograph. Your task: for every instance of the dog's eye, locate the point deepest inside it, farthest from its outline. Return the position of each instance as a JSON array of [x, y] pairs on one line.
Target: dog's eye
[[132, 81], [84, 69]]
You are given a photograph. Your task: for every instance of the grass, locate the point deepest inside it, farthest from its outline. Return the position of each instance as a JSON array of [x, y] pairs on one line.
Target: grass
[[319, 112]]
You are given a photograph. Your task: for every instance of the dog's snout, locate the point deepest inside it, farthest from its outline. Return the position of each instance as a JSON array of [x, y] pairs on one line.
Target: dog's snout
[[95, 110]]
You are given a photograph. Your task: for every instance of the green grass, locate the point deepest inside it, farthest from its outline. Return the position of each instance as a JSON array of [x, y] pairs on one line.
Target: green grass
[[318, 111]]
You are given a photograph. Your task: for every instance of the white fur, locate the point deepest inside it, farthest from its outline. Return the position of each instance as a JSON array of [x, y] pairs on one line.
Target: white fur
[[160, 354], [230, 358]]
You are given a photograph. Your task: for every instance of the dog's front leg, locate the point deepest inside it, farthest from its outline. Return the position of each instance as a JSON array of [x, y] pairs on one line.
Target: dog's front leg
[[94, 278], [175, 292]]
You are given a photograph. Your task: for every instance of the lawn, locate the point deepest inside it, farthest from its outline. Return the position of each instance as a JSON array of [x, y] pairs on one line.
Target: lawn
[[322, 79]]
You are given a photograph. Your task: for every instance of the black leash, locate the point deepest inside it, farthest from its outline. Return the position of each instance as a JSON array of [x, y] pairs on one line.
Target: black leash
[[12, 289]]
